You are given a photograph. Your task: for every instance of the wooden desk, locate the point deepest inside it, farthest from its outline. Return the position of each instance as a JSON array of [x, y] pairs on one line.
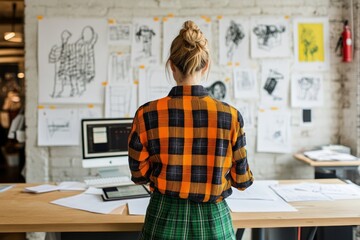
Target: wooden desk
[[24, 212], [303, 158]]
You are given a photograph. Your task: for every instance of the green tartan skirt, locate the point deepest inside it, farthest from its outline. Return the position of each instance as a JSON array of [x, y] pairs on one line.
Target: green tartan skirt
[[174, 218]]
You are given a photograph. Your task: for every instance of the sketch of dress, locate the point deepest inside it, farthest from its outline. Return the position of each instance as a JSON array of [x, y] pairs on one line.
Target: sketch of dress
[[268, 36], [234, 34], [74, 63], [145, 35]]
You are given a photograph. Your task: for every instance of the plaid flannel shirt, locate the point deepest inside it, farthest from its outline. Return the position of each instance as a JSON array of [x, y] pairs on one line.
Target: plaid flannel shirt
[[189, 145]]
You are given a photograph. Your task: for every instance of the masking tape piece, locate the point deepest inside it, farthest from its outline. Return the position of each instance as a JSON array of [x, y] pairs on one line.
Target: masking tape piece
[[219, 17], [111, 21], [90, 105], [52, 107], [156, 19], [142, 66], [41, 107], [164, 19], [104, 83], [170, 15]]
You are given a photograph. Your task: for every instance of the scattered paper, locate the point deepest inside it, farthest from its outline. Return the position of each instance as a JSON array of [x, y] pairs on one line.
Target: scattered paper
[[91, 203], [4, 188], [41, 188], [94, 190], [72, 186], [63, 186], [259, 190], [328, 155], [278, 205], [138, 206]]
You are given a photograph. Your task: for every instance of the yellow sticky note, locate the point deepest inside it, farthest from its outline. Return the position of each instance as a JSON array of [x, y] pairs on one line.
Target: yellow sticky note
[[104, 83], [41, 107], [142, 66], [274, 108], [170, 15], [156, 19], [219, 17], [208, 20], [165, 19], [40, 17], [227, 79], [136, 82], [111, 21], [287, 17], [90, 105]]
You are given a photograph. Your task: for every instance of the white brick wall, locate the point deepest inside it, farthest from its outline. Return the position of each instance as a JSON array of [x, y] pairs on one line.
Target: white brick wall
[[64, 163]]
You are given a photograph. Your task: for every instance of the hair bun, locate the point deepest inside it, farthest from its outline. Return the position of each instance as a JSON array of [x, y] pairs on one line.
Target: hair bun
[[192, 35]]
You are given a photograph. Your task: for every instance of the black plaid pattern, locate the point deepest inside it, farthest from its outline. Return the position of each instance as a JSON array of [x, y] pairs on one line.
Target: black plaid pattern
[[151, 120], [154, 146], [224, 120], [174, 173], [199, 174], [176, 145], [200, 118], [221, 147], [200, 146], [176, 118], [217, 175]]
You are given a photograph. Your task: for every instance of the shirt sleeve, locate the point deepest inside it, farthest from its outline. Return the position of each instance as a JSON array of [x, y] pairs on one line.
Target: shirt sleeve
[[138, 154], [241, 175]]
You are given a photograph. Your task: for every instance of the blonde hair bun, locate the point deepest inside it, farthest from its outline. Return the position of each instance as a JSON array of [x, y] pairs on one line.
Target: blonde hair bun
[[192, 35]]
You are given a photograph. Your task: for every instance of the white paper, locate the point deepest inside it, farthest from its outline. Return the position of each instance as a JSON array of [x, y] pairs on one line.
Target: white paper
[[172, 27], [90, 112], [307, 90], [58, 127], [274, 90], [247, 112], [90, 203], [270, 37], [233, 41], [245, 84], [290, 194], [42, 188], [119, 33], [153, 84], [218, 85], [259, 190], [72, 57], [311, 43], [94, 190], [328, 155], [72, 186], [121, 100], [145, 47], [274, 131], [138, 206], [4, 188], [120, 71]]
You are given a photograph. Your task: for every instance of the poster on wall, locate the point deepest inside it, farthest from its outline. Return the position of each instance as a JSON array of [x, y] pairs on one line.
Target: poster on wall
[[153, 84], [307, 90], [145, 47], [58, 127], [274, 88], [233, 41], [270, 37], [274, 131], [172, 27], [311, 43], [119, 69], [245, 83], [119, 33], [72, 60], [121, 100]]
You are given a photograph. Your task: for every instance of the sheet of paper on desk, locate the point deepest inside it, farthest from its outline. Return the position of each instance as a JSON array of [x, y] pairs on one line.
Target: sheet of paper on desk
[[259, 190], [290, 193], [328, 155], [278, 205], [4, 188], [90, 203], [41, 188], [138, 206], [333, 191], [72, 186]]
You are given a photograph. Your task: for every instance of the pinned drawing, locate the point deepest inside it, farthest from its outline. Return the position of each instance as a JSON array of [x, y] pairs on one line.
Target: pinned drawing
[[119, 33], [153, 84], [145, 49], [172, 26], [311, 43], [270, 37], [247, 112], [307, 90], [72, 59], [120, 70], [234, 41], [274, 131], [120, 100], [245, 83], [218, 86], [274, 83], [58, 127]]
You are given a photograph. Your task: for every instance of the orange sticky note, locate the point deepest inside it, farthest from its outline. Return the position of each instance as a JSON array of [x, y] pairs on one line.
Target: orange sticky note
[[156, 19], [104, 83], [136, 82], [274, 108], [142, 66], [165, 19], [111, 21], [41, 107], [90, 105], [39, 17]]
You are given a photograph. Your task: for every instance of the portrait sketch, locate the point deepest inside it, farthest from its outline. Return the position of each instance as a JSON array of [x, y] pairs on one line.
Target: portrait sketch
[[233, 41], [307, 90], [71, 60], [270, 37]]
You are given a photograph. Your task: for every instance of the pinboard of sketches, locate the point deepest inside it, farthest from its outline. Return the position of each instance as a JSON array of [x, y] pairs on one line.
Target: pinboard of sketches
[[311, 43], [233, 41], [120, 70], [245, 83], [274, 89], [58, 127], [153, 84], [274, 131], [120, 100], [270, 37], [307, 90], [119, 33], [145, 47], [72, 60], [172, 28]]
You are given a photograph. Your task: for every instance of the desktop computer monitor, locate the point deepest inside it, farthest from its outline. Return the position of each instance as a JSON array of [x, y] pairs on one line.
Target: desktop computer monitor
[[105, 142]]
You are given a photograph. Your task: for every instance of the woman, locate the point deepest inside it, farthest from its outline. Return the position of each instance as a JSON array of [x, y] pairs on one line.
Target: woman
[[191, 148]]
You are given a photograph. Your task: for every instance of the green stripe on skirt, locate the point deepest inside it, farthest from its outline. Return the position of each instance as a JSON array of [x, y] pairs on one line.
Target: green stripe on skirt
[[174, 218]]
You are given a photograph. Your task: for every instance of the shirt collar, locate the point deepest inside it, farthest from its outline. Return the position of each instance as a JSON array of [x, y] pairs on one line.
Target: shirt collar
[[189, 90]]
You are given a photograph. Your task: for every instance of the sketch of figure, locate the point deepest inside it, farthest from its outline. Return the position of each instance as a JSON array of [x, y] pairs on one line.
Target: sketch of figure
[[145, 35], [234, 35], [74, 63], [308, 40], [217, 90], [268, 36], [271, 81], [308, 88]]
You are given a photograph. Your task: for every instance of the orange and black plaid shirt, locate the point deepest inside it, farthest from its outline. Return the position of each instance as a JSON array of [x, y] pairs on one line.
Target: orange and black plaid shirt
[[189, 145]]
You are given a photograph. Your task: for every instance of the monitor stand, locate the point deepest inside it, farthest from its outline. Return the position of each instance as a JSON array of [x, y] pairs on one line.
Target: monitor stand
[[114, 172]]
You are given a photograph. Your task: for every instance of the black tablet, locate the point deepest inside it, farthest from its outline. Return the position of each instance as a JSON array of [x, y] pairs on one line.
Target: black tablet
[[125, 192]]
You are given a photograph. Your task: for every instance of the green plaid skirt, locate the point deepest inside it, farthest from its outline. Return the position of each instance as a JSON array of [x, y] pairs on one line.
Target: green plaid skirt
[[175, 218]]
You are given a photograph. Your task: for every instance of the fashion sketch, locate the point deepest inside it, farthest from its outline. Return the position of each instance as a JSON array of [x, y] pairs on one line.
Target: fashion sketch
[[306, 90], [270, 37], [245, 83], [234, 41], [144, 34], [74, 63]]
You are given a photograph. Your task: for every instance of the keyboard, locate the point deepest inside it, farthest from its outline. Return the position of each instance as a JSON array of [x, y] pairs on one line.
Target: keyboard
[[101, 182]]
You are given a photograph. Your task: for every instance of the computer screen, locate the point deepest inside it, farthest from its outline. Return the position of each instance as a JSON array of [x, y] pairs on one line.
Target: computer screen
[[104, 142]]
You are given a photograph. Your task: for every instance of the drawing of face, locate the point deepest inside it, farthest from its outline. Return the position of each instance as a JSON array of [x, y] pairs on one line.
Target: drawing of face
[[65, 35], [87, 34], [306, 83], [217, 90]]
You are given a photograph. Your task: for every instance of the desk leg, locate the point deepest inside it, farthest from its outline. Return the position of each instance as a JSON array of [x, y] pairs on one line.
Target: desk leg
[[240, 233], [258, 234], [308, 233]]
